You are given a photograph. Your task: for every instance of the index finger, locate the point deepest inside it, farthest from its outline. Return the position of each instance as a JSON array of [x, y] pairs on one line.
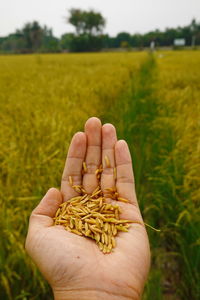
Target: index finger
[[73, 165]]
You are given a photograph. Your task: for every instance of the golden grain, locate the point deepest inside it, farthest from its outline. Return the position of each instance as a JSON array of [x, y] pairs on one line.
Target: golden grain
[[88, 232], [114, 231], [96, 193], [70, 180], [122, 199], [102, 238], [80, 225], [109, 229], [61, 221], [121, 228], [86, 216], [115, 173], [113, 242], [76, 231], [106, 227], [97, 237], [106, 238], [90, 221], [84, 167], [95, 229], [100, 246], [83, 191], [97, 171], [71, 225], [107, 161], [104, 249], [57, 213], [89, 215], [109, 247]]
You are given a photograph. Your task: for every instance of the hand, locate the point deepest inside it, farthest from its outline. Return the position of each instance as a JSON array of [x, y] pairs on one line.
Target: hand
[[73, 265]]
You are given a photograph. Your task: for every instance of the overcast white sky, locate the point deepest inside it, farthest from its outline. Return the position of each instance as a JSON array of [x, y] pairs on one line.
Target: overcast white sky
[[121, 15]]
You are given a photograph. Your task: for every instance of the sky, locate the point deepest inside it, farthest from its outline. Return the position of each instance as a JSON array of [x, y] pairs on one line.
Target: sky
[[132, 16]]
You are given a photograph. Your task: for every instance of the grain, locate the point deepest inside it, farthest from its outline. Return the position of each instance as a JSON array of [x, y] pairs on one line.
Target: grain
[[57, 213], [88, 232], [90, 216], [105, 238], [70, 180], [102, 238], [113, 242], [107, 161], [76, 231], [99, 171], [121, 228], [104, 249], [122, 200], [71, 224], [113, 194], [84, 167], [100, 246]]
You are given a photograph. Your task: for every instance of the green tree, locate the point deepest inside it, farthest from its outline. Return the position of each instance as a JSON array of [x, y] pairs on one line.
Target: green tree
[[31, 38], [76, 19], [90, 22], [14, 43], [89, 27], [66, 40], [33, 34], [122, 37], [94, 22]]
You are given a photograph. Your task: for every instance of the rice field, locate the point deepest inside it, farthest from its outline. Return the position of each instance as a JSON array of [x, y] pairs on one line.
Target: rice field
[[153, 100]]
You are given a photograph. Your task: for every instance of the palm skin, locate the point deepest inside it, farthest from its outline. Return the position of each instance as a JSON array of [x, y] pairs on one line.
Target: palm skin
[[74, 266]]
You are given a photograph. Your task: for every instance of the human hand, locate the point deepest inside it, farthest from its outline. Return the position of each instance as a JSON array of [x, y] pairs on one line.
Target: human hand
[[73, 265]]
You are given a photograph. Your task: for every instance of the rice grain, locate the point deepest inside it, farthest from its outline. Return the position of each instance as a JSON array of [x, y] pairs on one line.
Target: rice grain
[[90, 216]]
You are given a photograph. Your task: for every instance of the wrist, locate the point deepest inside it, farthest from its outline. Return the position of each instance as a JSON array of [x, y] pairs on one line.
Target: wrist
[[91, 295]]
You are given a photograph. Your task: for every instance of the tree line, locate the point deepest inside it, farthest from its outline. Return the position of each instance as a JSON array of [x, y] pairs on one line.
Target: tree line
[[89, 36]]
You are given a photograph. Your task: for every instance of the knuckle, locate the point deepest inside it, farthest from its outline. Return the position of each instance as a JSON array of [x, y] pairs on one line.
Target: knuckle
[[76, 177], [108, 171], [33, 216], [125, 179], [91, 168]]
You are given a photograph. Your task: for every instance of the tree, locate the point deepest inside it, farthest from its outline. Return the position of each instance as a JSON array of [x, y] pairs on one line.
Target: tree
[[76, 19], [31, 38], [89, 22], [66, 40], [122, 37], [33, 34], [14, 43], [94, 22], [89, 26], [195, 31]]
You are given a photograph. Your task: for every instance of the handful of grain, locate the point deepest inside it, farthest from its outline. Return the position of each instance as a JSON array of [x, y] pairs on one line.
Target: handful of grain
[[89, 215]]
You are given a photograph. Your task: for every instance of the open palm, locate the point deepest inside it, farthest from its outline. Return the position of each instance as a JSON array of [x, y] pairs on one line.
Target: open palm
[[74, 266]]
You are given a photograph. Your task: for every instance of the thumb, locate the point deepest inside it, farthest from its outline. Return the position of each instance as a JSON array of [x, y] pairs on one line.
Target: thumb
[[45, 211]]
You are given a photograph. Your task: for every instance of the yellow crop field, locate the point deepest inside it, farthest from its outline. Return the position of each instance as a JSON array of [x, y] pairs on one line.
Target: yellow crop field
[[180, 82], [154, 102], [176, 175]]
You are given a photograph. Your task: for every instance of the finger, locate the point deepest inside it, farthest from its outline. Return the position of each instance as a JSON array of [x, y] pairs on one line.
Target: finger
[[93, 155], [73, 165], [109, 139], [125, 178], [46, 209]]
